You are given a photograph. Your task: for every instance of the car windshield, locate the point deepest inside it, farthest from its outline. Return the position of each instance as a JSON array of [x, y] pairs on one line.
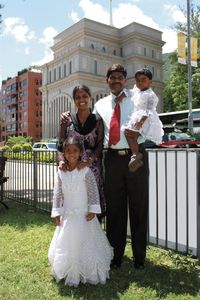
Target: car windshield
[[177, 135], [52, 146]]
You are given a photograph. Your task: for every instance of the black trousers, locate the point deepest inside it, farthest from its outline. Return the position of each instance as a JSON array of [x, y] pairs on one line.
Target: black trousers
[[126, 191]]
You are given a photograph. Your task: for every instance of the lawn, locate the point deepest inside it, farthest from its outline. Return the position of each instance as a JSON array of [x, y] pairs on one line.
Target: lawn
[[25, 272]]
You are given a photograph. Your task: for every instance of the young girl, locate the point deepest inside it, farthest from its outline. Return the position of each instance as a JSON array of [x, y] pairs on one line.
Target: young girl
[[79, 250], [144, 121]]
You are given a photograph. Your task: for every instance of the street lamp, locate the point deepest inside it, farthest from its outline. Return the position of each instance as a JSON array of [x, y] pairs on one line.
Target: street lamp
[[190, 117]]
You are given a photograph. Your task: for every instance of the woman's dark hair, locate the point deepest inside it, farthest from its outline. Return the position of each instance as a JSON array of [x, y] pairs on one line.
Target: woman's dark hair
[[116, 68], [74, 140], [81, 87], [144, 71]]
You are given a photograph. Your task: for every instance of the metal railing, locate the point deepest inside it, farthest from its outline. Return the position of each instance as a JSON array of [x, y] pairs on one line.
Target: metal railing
[[174, 192]]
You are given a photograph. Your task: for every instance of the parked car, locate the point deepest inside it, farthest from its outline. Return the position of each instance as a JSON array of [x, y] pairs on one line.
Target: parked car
[[175, 138], [45, 146]]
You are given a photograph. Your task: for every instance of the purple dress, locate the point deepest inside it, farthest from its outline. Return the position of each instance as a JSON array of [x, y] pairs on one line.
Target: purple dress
[[91, 133]]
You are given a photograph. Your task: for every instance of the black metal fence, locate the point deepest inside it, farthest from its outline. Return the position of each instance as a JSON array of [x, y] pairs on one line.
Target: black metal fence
[[174, 198]]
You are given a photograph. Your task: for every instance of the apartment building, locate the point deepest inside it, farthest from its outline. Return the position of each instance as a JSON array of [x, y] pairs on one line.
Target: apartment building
[[82, 55], [21, 106]]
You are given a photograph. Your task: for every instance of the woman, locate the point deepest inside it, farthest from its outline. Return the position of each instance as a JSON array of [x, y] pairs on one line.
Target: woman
[[89, 127]]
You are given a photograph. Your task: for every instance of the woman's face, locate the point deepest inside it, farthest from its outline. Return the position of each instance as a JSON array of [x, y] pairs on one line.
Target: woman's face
[[82, 100]]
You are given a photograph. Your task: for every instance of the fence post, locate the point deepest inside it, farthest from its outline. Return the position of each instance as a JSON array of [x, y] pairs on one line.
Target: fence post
[[35, 180], [198, 206]]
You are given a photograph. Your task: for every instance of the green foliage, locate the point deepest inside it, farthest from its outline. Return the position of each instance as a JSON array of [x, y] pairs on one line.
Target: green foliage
[[176, 84], [12, 140], [17, 148], [27, 147], [5, 148]]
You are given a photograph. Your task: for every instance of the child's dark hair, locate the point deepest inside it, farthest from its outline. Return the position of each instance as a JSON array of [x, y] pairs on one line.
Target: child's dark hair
[[74, 140], [144, 71], [116, 68], [81, 87]]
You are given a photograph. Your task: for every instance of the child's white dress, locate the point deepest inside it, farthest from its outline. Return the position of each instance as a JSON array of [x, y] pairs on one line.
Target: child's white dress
[[145, 103], [79, 250]]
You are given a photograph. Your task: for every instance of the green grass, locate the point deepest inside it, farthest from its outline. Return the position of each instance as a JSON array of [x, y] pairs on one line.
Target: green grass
[[25, 236]]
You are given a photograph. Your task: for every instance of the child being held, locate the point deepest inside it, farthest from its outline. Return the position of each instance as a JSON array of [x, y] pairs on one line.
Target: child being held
[[79, 250], [144, 121]]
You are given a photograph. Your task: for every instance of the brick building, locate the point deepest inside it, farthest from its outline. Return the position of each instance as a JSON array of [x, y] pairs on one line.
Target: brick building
[[21, 106]]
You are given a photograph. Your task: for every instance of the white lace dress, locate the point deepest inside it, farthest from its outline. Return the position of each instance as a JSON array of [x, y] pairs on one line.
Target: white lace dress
[[79, 250], [145, 103]]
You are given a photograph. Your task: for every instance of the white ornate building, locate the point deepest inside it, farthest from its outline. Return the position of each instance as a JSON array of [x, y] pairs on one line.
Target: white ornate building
[[82, 55]]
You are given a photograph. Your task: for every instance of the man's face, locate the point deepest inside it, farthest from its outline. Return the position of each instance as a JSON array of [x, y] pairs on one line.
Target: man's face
[[116, 82]]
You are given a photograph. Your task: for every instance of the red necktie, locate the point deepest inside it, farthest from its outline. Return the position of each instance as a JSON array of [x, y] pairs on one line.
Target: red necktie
[[114, 132]]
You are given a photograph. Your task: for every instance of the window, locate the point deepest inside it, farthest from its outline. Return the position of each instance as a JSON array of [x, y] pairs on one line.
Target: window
[[92, 46], [54, 74], [103, 49], [49, 76], [145, 52], [70, 67], [95, 67], [59, 72], [65, 70], [153, 53], [114, 52]]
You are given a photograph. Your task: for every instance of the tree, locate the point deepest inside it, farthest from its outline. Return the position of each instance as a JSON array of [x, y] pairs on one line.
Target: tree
[[176, 87], [1, 6]]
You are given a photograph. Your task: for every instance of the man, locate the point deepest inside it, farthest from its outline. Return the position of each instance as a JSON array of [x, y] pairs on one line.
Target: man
[[124, 190]]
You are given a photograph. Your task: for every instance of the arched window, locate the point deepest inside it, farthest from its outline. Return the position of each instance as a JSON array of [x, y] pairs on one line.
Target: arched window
[[114, 52], [103, 49], [92, 46]]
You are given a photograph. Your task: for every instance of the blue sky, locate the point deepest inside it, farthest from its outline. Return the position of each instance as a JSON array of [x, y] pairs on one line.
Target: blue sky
[[29, 26]]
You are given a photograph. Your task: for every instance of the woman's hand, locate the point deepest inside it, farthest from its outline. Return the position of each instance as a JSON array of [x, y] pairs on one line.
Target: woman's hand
[[83, 164], [90, 216], [58, 220], [65, 118], [62, 166]]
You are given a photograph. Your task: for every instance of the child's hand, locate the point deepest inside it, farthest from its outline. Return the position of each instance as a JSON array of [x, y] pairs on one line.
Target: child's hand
[[90, 216], [57, 220]]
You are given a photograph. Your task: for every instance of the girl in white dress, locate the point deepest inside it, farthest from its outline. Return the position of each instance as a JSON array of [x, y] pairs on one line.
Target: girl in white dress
[[79, 250], [144, 121]]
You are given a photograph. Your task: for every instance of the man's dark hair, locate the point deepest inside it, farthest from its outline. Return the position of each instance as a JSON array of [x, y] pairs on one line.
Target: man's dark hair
[[116, 68], [144, 71]]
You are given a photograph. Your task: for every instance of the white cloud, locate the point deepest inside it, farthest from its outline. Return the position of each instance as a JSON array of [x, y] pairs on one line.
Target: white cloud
[[175, 13], [16, 27], [48, 34], [48, 56], [170, 39], [74, 16]]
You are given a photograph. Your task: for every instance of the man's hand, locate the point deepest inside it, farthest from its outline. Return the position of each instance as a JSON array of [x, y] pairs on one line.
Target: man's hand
[[57, 220], [90, 216]]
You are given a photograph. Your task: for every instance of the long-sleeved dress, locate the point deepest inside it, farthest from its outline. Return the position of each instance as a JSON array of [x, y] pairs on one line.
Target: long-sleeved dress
[[145, 103], [79, 250]]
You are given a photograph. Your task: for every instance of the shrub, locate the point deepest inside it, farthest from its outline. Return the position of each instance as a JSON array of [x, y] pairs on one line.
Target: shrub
[[5, 148], [27, 147], [17, 148]]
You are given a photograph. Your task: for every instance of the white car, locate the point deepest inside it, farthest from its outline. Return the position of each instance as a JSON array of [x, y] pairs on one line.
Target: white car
[[45, 146]]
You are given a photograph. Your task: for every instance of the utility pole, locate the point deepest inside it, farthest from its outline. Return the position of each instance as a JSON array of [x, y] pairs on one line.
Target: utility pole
[[190, 117], [111, 19]]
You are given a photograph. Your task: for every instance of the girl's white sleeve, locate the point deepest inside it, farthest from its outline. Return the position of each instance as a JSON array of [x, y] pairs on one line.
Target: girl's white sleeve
[[58, 198], [92, 192]]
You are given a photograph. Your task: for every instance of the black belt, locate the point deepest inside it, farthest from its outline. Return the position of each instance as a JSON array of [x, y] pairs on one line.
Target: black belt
[[121, 152]]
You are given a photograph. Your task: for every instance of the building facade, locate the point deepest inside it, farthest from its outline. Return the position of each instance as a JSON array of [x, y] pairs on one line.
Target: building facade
[[21, 106], [82, 55]]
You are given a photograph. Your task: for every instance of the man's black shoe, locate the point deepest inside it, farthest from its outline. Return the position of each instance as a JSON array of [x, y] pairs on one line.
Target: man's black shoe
[[138, 265], [115, 264]]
